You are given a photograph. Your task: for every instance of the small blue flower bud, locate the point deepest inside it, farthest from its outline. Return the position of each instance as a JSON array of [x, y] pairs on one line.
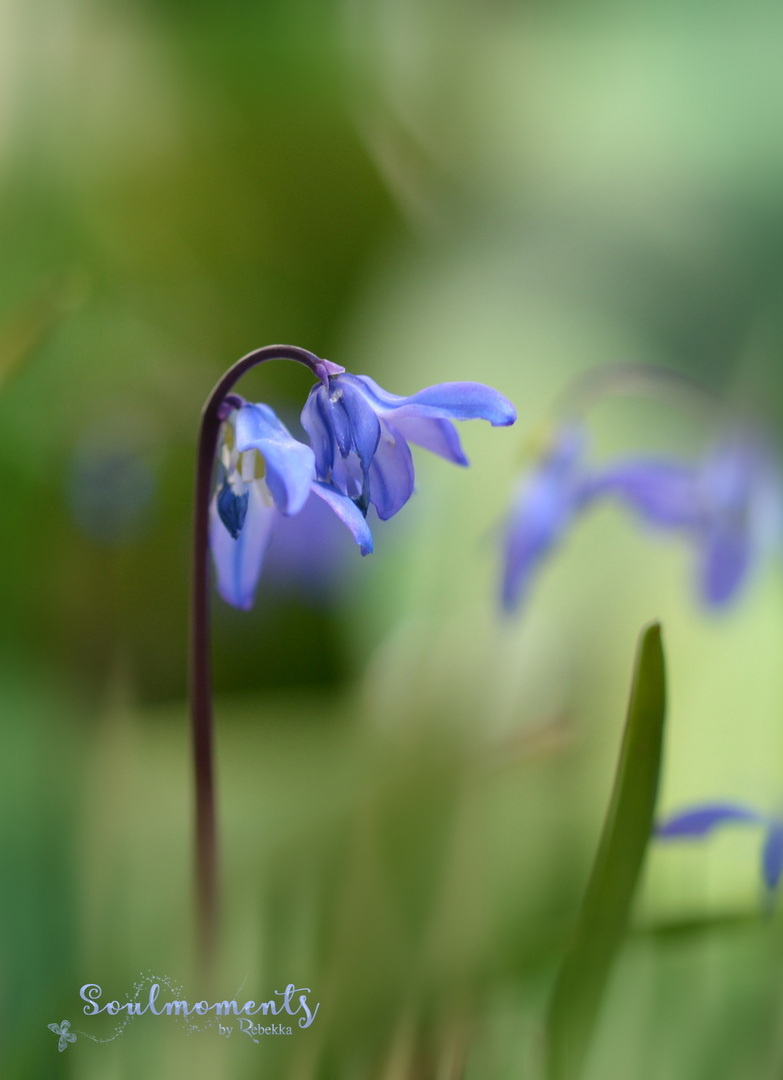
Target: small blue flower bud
[[232, 509]]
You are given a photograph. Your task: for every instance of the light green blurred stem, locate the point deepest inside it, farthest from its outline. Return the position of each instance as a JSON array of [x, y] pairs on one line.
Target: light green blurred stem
[[603, 919]]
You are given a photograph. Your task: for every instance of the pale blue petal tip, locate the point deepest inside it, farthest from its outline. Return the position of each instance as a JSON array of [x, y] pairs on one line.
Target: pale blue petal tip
[[348, 513]]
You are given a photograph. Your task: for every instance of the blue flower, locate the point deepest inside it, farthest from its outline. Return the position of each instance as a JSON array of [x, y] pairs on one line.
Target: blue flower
[[263, 472], [360, 433], [543, 508], [700, 821], [728, 504]]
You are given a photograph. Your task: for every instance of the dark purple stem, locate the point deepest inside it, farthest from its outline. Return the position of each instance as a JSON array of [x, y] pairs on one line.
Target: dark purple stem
[[200, 665]]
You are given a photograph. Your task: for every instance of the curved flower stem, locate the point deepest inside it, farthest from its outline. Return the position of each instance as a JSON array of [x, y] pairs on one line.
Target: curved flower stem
[[637, 380], [200, 665]]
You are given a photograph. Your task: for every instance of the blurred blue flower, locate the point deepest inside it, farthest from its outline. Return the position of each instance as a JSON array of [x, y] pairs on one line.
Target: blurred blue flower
[[360, 433], [729, 506], [543, 508], [263, 472], [111, 479], [700, 821]]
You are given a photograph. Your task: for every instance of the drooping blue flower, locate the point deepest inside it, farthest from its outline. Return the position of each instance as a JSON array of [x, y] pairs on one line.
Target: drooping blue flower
[[729, 504], [700, 821], [360, 433], [543, 509], [263, 472]]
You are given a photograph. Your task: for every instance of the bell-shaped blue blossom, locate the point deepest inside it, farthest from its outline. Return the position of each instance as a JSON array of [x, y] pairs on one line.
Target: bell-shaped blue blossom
[[543, 509], [360, 433], [263, 472], [701, 821], [728, 505]]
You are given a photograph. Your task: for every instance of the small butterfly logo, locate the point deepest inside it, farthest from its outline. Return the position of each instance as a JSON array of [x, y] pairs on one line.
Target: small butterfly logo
[[66, 1036]]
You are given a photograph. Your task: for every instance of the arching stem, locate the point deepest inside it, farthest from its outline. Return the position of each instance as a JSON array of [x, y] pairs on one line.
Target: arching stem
[[200, 661]]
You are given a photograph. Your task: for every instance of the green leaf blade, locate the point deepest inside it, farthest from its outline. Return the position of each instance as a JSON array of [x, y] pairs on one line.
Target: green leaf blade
[[603, 919]]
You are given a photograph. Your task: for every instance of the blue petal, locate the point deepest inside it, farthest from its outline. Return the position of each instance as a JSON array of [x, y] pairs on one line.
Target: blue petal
[[735, 482], [391, 473], [438, 436], [541, 516], [545, 505], [445, 401], [315, 420], [290, 465], [725, 560], [665, 493], [772, 855], [337, 414], [730, 474], [356, 424], [703, 819], [347, 477], [347, 512], [238, 562], [232, 509]]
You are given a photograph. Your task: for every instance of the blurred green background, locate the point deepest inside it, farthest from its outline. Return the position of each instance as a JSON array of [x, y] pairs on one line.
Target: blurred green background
[[411, 787]]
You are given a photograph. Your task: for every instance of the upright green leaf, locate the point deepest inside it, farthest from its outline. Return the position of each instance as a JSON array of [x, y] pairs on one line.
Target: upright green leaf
[[603, 918]]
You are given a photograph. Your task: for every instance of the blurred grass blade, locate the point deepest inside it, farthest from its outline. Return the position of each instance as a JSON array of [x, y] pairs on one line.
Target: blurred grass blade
[[604, 916], [686, 930], [29, 324]]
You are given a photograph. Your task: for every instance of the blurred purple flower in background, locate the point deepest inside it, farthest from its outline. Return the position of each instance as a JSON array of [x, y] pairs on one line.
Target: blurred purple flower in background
[[728, 505], [360, 433], [700, 821]]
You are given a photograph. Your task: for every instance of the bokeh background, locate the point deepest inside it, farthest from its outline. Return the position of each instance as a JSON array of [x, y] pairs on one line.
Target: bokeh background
[[411, 786]]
